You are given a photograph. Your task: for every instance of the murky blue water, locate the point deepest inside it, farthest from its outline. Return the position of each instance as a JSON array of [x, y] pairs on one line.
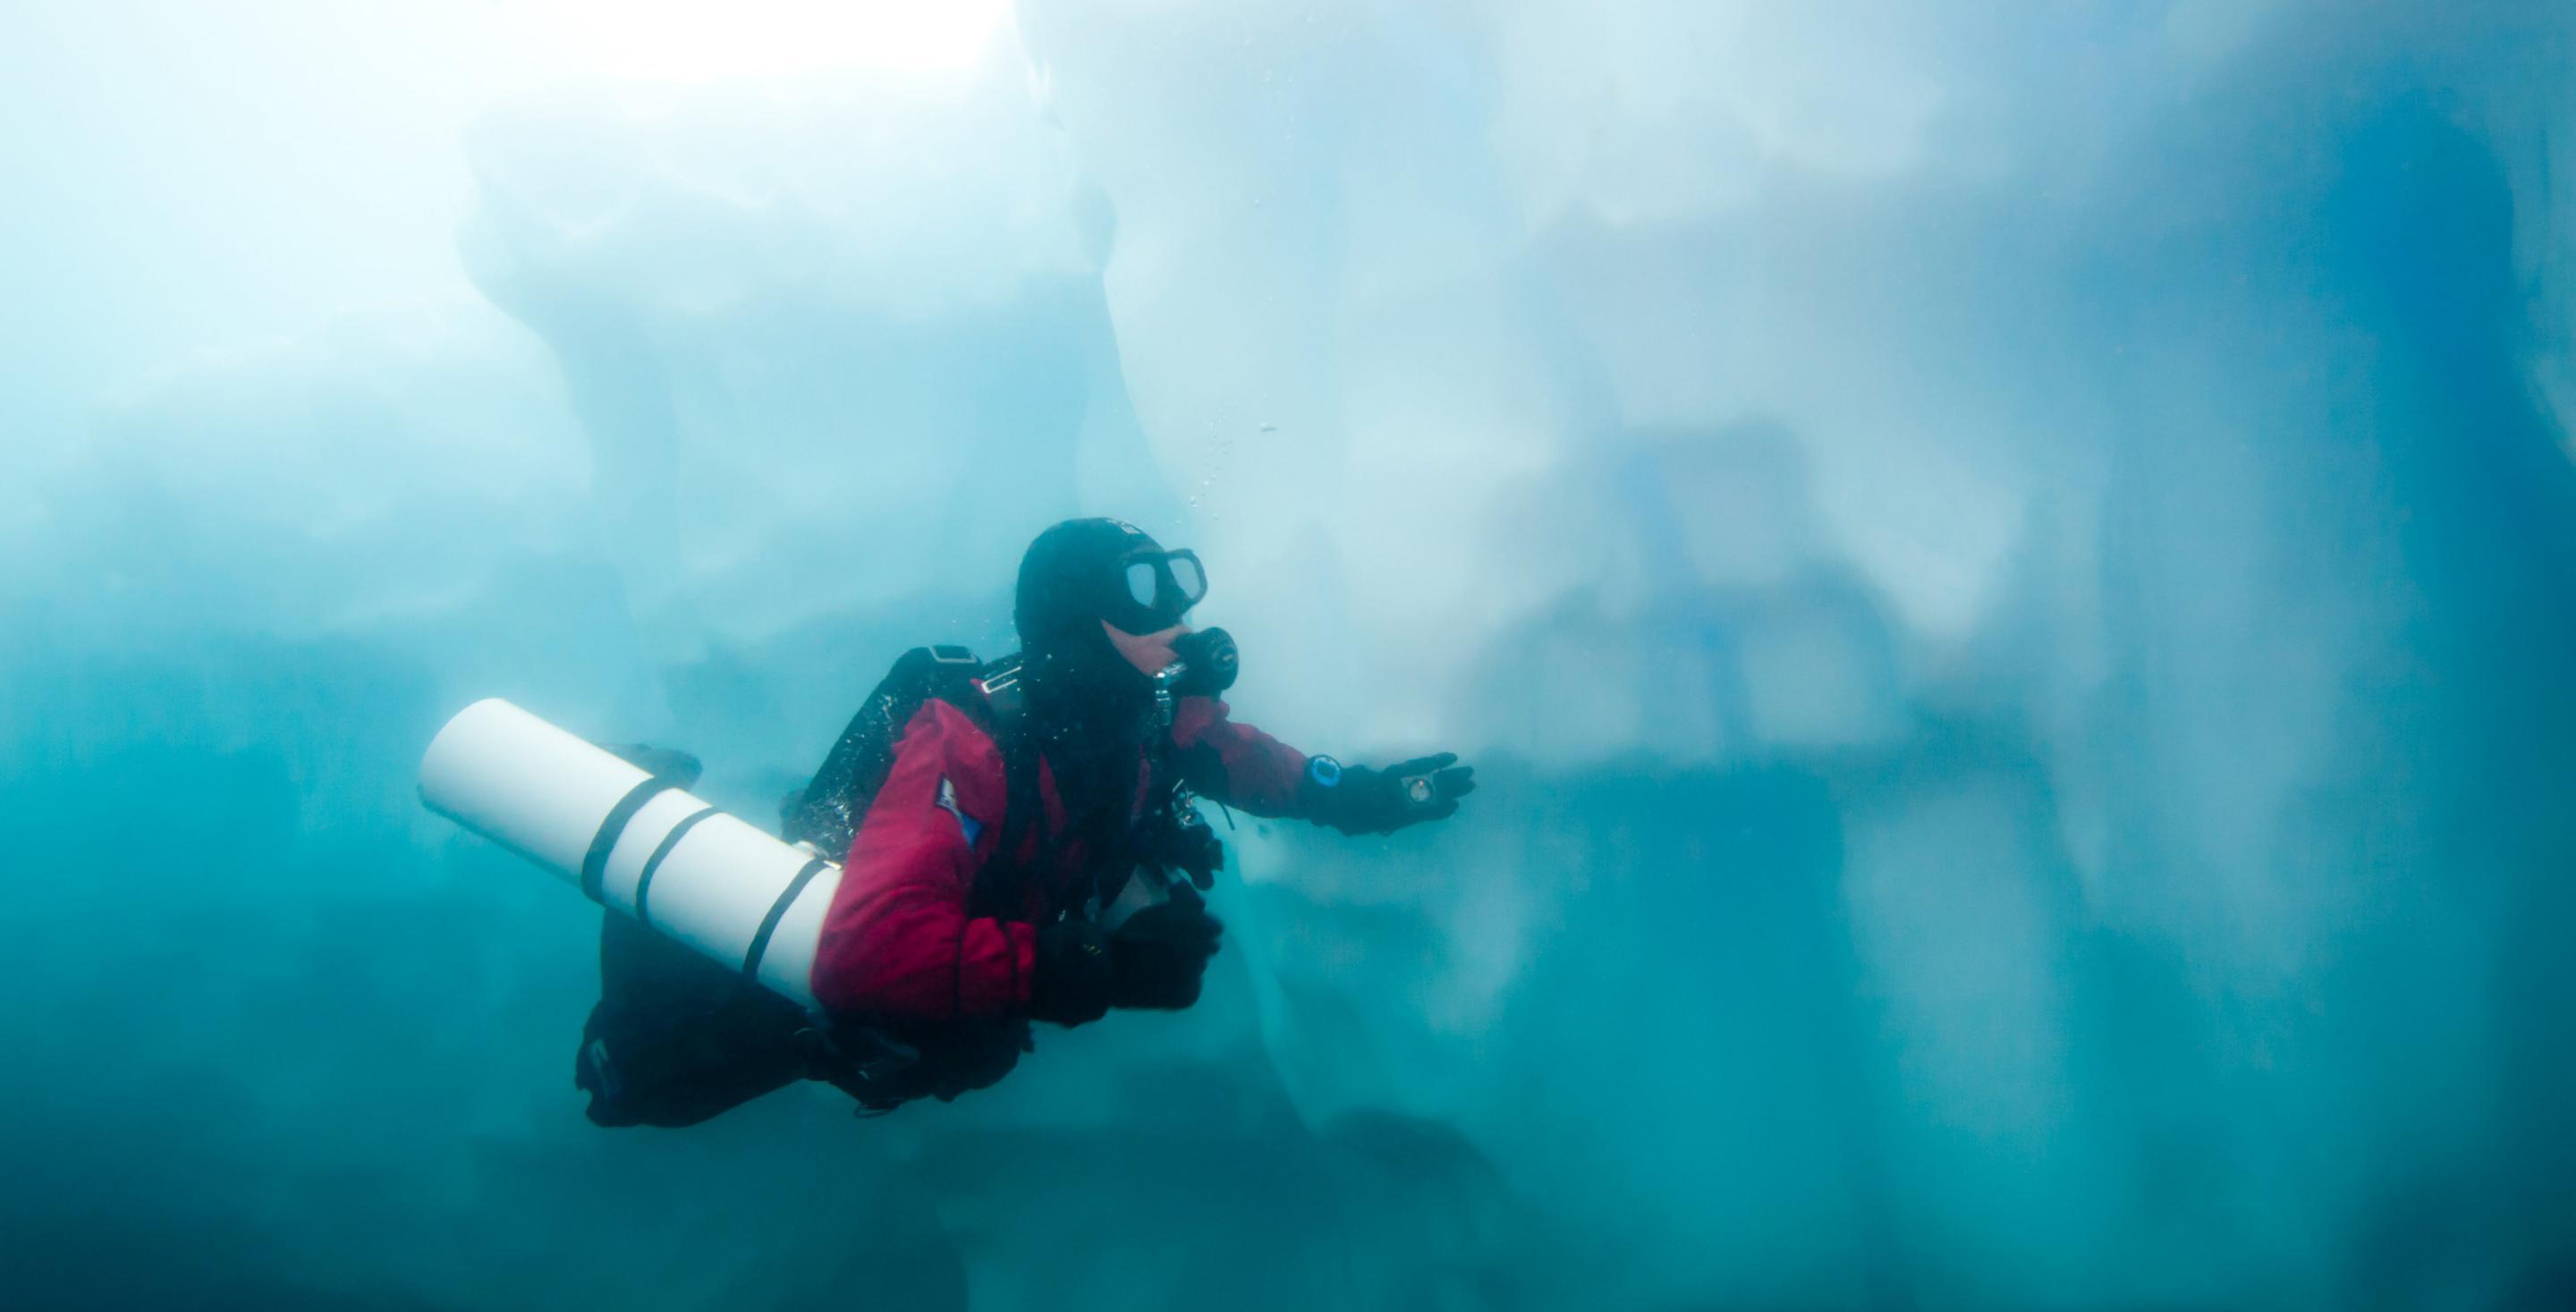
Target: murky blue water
[[2009, 578]]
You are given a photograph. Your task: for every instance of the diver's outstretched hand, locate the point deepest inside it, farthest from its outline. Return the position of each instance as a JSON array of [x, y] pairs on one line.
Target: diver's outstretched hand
[[1361, 800]]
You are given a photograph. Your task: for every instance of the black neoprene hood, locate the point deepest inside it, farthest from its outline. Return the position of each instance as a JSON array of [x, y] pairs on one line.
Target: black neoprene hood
[[1067, 578]]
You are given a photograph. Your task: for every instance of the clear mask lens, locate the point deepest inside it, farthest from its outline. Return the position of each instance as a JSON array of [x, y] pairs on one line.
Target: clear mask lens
[[1188, 578], [1141, 586]]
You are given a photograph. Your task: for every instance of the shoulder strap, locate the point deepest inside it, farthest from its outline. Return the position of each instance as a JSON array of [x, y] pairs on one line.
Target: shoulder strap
[[999, 702], [827, 812]]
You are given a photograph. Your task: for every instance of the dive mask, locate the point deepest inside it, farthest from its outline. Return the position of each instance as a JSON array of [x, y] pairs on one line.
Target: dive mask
[[1155, 588]]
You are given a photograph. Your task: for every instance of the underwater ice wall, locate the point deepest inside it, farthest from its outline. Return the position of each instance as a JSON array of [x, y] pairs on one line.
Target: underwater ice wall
[[2005, 572], [834, 346], [2032, 537]]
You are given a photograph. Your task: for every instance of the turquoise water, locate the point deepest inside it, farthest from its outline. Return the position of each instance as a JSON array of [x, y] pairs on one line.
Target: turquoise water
[[2007, 576]]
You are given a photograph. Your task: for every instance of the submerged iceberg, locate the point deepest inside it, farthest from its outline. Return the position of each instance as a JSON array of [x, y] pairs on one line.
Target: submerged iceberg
[[2003, 573]]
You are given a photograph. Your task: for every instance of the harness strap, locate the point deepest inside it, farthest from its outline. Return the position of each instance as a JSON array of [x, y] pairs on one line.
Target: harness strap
[[644, 880], [1023, 807], [594, 863], [778, 912]]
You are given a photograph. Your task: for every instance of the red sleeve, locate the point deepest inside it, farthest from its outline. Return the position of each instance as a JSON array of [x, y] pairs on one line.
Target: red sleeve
[[897, 944], [1235, 763]]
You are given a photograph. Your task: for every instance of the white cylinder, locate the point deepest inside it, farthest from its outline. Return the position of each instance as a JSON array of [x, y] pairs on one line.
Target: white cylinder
[[636, 846]]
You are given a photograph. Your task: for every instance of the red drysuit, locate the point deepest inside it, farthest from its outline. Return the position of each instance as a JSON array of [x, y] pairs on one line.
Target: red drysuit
[[900, 945]]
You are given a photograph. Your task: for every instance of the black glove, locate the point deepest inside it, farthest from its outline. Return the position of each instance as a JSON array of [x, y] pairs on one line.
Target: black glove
[[1162, 952], [1075, 974], [1190, 847], [1358, 800]]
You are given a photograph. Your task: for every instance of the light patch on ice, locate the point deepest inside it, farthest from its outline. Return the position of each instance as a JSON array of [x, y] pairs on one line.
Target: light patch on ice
[[2210, 30], [1643, 113], [1925, 525], [696, 40]]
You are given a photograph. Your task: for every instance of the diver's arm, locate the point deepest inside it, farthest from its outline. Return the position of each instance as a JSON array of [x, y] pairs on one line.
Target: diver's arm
[[1243, 767], [1235, 763], [897, 943], [1357, 799]]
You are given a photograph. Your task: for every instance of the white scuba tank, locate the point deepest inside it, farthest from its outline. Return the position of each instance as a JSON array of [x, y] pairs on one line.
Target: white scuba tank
[[632, 843]]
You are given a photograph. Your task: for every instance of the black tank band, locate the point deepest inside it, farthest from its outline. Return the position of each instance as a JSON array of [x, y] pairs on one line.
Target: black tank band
[[594, 864], [644, 880], [778, 912]]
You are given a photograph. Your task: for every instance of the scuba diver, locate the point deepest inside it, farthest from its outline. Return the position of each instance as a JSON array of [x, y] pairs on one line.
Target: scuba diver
[[1020, 846]]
